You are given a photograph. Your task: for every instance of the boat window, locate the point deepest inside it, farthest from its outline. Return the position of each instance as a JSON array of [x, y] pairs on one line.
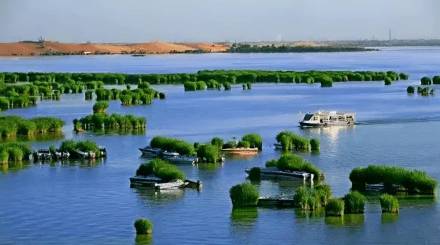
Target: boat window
[[308, 117]]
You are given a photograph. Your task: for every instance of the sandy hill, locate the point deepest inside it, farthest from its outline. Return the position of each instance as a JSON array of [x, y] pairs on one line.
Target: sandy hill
[[48, 47]]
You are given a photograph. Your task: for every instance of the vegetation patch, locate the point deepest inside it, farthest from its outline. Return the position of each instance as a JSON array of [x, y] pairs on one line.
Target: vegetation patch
[[244, 195], [393, 179], [13, 126], [292, 162], [354, 203], [389, 204], [77, 149], [143, 226], [334, 207], [162, 169], [312, 198], [173, 145], [14, 152], [100, 120], [290, 141]]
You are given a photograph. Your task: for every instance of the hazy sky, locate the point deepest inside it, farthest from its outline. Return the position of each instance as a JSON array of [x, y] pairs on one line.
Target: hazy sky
[[216, 20]]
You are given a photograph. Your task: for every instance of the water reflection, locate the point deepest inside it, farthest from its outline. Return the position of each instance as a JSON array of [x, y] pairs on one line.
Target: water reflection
[[162, 196], [243, 219], [209, 166], [5, 168], [332, 133], [389, 218], [14, 167], [143, 239]]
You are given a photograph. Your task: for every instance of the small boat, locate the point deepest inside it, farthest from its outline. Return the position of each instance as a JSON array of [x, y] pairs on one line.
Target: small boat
[[43, 154], [274, 172], [155, 182], [62, 155], [176, 158], [150, 152], [328, 118], [278, 146], [241, 151]]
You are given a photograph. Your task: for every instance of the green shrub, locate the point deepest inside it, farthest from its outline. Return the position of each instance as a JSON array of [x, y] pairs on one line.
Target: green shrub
[[291, 141], [72, 147], [143, 226], [88, 95], [4, 156], [244, 195], [354, 203], [174, 145], [334, 207], [292, 162], [413, 181], [314, 145], [255, 140], [410, 90], [271, 163], [403, 76], [436, 80], [100, 107], [326, 82], [208, 153], [425, 81], [307, 198], [243, 144], [161, 169], [389, 204], [255, 174], [218, 142], [388, 81]]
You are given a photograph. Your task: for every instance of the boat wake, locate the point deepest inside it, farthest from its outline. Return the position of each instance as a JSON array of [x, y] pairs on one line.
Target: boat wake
[[398, 120]]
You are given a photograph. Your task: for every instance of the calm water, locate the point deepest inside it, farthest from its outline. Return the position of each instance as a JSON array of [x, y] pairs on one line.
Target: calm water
[[93, 204]]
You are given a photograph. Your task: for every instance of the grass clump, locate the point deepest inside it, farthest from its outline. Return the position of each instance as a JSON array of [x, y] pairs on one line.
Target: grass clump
[[393, 177], [314, 145], [309, 198], [143, 226], [208, 153], [100, 107], [425, 81], [244, 195], [334, 207], [292, 162], [161, 169], [72, 147], [410, 89], [255, 140], [255, 174], [13, 126], [354, 203], [173, 145], [14, 152], [389, 204], [290, 141]]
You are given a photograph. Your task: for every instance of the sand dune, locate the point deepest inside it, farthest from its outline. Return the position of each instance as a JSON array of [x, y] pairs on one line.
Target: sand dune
[[48, 47]]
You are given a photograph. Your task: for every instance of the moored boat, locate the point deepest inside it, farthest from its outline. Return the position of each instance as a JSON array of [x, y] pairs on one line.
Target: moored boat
[[241, 151], [150, 152], [328, 118], [176, 158]]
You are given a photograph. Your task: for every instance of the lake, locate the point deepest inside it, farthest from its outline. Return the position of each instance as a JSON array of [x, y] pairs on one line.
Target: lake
[[88, 203]]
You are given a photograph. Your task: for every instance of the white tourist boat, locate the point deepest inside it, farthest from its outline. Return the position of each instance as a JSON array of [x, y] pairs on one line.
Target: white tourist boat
[[328, 118]]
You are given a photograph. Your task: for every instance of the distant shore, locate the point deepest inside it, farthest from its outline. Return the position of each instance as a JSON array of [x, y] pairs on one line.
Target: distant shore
[[49, 48]]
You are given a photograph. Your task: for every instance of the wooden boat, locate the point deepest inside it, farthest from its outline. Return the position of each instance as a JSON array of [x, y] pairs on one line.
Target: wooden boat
[[154, 182], [328, 118], [176, 158], [150, 152], [274, 172], [241, 151]]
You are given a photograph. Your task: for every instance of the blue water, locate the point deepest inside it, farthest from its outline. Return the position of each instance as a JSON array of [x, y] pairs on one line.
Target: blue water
[[88, 203]]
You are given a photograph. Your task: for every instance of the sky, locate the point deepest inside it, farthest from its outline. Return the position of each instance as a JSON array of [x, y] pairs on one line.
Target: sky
[[217, 20]]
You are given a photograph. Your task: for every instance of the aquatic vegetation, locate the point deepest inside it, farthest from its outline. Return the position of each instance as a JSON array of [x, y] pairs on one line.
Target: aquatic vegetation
[[13, 126], [309, 198], [436, 80], [208, 153], [247, 86], [425, 91], [388, 81], [334, 207], [88, 95], [410, 90], [354, 202], [244, 195], [14, 152], [74, 148], [173, 145], [325, 81], [393, 178], [292, 162], [218, 142], [389, 204], [255, 174], [193, 86], [314, 145], [143, 226], [100, 107], [249, 48], [425, 81], [100, 120], [290, 141], [161, 169], [255, 140]]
